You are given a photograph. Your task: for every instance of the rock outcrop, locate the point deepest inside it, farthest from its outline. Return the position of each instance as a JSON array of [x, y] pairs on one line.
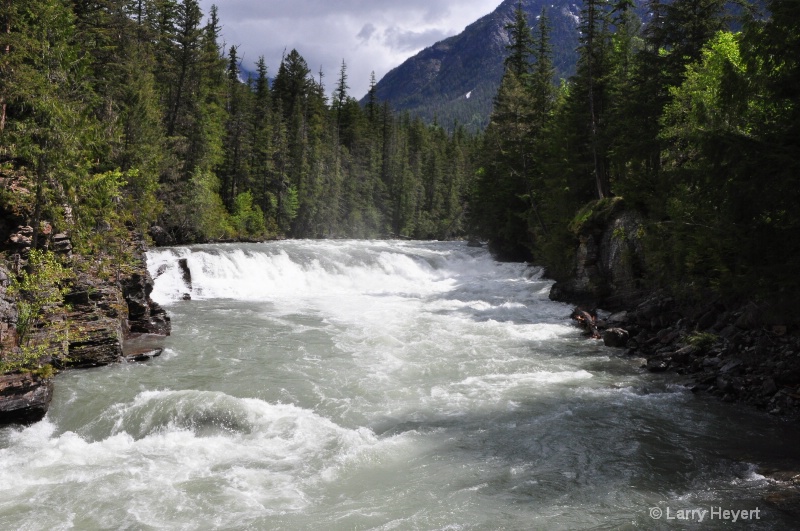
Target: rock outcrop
[[102, 314], [145, 316], [24, 397], [607, 266], [738, 353]]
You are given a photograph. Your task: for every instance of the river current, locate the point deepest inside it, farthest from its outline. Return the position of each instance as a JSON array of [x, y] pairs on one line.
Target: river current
[[380, 385]]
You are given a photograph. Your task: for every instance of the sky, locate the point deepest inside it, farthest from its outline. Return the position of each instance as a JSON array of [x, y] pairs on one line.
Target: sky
[[368, 35]]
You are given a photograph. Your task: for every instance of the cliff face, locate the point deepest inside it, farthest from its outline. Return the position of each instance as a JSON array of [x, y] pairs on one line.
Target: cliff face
[[608, 265], [102, 314]]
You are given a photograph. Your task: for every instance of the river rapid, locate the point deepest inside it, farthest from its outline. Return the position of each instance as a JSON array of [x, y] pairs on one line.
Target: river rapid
[[380, 385]]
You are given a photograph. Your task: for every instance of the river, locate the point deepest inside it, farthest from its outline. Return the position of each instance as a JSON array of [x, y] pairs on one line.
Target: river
[[380, 385]]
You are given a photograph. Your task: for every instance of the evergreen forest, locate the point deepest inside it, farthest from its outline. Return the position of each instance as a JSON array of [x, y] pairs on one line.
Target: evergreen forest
[[129, 115]]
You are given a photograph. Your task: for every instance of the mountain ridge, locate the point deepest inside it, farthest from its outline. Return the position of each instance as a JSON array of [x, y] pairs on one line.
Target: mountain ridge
[[456, 79]]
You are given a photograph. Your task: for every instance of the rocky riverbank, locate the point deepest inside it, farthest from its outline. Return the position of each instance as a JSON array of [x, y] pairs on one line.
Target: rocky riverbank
[[106, 317], [731, 353], [739, 352], [745, 353]]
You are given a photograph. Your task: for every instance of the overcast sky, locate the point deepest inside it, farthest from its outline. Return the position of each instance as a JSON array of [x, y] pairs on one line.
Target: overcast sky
[[367, 34]]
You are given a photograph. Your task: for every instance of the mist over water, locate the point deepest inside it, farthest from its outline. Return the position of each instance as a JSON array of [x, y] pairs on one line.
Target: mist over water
[[377, 385]]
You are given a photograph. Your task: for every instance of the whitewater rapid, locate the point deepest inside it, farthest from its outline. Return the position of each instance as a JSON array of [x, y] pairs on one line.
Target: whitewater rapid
[[374, 385]]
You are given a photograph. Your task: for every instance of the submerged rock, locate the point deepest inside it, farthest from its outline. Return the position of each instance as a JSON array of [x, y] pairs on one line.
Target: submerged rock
[[144, 354]]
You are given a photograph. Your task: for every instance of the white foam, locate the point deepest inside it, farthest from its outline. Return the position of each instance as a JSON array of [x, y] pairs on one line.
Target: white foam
[[164, 442]]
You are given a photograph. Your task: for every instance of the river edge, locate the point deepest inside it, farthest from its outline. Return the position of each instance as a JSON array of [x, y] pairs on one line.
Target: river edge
[[727, 353], [745, 362], [114, 320]]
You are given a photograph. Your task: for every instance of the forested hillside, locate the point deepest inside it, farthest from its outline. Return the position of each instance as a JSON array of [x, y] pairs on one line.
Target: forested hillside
[[120, 114], [687, 124]]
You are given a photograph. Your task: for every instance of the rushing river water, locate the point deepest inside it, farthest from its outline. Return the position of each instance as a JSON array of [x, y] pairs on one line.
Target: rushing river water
[[379, 385]]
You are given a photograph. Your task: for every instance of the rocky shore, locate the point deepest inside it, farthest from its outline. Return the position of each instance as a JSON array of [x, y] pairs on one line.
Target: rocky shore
[[739, 352], [106, 316], [731, 353]]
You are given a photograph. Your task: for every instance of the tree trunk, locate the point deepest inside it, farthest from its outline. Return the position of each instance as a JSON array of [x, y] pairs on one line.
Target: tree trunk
[[7, 51]]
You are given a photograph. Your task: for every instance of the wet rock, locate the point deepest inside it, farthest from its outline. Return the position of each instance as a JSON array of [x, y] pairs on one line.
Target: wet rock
[[99, 341], [144, 315], [615, 337], [186, 274], [618, 318], [144, 354], [24, 398], [786, 500], [657, 365]]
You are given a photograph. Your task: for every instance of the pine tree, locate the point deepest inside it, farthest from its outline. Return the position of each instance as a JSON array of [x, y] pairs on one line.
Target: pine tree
[[591, 79], [520, 45]]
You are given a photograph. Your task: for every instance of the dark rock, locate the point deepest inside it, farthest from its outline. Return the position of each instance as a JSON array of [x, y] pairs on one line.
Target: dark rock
[[144, 315], [669, 336], [616, 337], [707, 320], [99, 342], [77, 297], [657, 365], [186, 274], [607, 262], [617, 318], [789, 376], [61, 244], [750, 318], [689, 350], [730, 366], [724, 384], [24, 398], [786, 500], [160, 236], [769, 387], [143, 354]]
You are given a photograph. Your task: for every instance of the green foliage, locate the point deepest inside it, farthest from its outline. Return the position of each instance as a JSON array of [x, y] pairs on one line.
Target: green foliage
[[117, 119], [595, 214], [205, 213], [247, 218], [38, 293], [38, 288], [702, 340]]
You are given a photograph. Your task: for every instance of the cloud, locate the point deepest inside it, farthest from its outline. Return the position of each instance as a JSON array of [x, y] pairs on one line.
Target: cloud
[[411, 41], [366, 32], [369, 35]]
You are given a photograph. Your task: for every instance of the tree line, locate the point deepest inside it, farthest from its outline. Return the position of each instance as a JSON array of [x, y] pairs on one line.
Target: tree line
[[132, 113], [690, 123], [129, 114]]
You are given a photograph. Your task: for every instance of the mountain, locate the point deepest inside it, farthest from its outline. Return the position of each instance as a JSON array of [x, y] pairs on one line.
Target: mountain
[[457, 78]]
